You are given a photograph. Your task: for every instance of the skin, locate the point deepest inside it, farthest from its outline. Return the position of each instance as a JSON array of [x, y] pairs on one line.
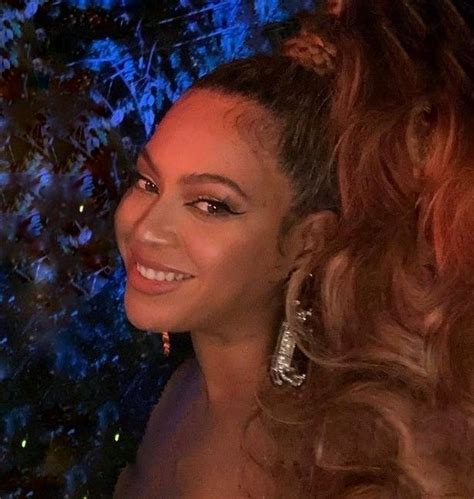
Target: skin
[[234, 304]]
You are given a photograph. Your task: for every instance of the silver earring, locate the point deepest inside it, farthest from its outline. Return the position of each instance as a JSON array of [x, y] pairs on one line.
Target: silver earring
[[283, 369]]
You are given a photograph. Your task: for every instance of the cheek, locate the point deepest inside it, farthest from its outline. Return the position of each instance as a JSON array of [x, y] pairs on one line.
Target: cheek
[[237, 257]]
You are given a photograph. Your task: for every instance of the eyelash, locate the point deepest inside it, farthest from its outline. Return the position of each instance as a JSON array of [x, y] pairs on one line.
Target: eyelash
[[135, 176]]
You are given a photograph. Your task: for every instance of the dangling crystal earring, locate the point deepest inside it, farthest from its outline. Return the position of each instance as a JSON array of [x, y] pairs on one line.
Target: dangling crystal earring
[[283, 369]]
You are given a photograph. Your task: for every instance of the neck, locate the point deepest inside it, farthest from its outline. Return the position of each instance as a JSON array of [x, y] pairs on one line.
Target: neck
[[233, 362]]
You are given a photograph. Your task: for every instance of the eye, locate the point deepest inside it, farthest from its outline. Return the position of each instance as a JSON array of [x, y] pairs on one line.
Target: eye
[[218, 208], [146, 184]]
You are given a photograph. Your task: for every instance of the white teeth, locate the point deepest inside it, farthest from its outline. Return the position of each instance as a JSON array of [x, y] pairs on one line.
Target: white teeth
[[148, 273], [159, 275]]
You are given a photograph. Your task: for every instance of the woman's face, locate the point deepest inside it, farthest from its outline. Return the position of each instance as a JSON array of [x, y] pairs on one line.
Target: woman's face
[[208, 202]]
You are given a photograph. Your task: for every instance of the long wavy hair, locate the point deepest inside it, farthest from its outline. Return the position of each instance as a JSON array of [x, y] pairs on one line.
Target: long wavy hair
[[388, 409]]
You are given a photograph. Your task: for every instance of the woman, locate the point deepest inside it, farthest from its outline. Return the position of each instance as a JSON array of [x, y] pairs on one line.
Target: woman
[[230, 198], [385, 409]]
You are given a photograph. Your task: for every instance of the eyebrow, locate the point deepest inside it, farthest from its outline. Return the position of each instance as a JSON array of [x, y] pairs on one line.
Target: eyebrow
[[198, 178]]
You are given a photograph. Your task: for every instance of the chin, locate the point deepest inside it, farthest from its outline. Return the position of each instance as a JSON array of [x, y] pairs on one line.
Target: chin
[[143, 317]]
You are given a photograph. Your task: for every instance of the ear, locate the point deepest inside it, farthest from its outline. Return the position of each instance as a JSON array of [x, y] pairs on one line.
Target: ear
[[312, 233]]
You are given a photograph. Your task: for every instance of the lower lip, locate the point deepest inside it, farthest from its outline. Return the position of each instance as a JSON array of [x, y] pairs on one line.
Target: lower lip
[[148, 286]]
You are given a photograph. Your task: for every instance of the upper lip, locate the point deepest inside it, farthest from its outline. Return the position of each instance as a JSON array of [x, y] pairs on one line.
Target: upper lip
[[153, 263]]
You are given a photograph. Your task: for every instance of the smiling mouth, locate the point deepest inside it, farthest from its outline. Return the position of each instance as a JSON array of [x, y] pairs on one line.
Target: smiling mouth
[[161, 276]]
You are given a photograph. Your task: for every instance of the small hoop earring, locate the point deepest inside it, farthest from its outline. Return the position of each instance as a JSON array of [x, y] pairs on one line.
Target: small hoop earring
[[165, 339], [284, 369]]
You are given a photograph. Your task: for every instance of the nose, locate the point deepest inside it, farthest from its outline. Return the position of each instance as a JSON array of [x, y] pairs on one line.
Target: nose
[[157, 224]]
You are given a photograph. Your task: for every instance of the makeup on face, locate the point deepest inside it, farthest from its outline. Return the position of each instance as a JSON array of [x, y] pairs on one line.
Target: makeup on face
[[197, 228], [144, 174]]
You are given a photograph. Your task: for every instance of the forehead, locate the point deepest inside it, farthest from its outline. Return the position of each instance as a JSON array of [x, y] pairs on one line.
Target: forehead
[[206, 131]]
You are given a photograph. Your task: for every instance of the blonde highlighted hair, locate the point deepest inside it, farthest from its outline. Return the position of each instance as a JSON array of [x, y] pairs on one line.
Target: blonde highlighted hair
[[389, 403]]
